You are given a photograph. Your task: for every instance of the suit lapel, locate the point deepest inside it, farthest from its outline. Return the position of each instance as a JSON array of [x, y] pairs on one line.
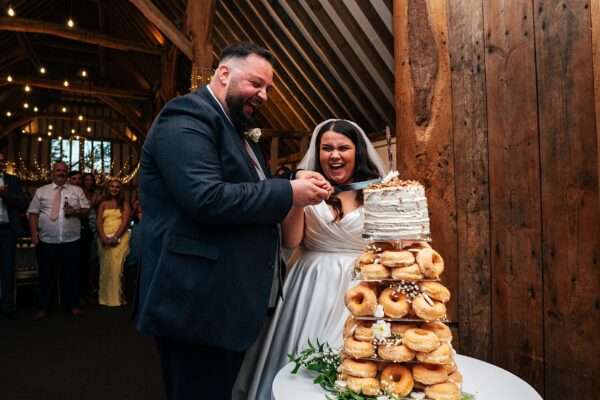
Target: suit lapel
[[236, 137]]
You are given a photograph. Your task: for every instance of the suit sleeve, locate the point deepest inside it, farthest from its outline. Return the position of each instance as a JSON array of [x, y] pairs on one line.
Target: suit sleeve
[[186, 152], [15, 196]]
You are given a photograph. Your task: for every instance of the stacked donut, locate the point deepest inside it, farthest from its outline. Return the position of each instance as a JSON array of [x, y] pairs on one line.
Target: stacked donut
[[395, 341]]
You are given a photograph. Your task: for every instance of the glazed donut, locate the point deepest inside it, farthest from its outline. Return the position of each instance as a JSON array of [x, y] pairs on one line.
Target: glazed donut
[[410, 273], [399, 329], [359, 369], [430, 263], [440, 329], [367, 386], [367, 257], [436, 291], [364, 332], [395, 304], [443, 391], [441, 355], [374, 271], [361, 301], [421, 340], [426, 311], [357, 349], [456, 378], [430, 374], [350, 326], [397, 379], [395, 352], [397, 258]]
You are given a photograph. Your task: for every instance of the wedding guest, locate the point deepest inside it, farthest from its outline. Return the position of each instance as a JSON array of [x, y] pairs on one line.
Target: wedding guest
[[75, 178], [210, 236], [54, 221], [89, 251], [13, 201], [330, 238], [113, 243]]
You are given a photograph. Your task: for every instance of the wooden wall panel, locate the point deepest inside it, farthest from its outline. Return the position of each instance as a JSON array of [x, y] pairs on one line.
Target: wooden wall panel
[[571, 232], [466, 43], [517, 324], [595, 15]]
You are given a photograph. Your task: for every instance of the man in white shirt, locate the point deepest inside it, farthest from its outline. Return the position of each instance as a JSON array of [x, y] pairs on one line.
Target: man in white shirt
[[54, 216]]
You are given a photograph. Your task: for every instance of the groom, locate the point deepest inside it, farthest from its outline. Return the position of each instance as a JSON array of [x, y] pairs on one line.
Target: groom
[[209, 232]]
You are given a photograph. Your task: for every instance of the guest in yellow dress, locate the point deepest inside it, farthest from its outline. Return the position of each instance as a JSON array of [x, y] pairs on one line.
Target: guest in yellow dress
[[113, 243]]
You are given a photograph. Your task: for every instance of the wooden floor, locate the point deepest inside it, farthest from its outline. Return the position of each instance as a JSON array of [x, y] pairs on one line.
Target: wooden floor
[[97, 357]]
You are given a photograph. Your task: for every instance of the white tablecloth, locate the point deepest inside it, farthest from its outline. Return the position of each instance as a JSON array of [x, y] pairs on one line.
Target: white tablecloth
[[485, 381]]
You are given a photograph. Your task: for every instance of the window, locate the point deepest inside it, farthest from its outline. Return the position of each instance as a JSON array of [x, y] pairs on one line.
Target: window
[[86, 156]]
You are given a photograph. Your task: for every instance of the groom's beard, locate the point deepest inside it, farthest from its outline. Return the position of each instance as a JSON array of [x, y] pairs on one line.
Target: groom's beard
[[235, 105]]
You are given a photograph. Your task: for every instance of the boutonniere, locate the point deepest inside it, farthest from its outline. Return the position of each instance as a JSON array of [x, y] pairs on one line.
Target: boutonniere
[[253, 134]]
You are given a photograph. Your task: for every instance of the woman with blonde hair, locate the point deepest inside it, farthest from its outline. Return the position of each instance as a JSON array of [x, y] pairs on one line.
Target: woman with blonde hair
[[113, 243]]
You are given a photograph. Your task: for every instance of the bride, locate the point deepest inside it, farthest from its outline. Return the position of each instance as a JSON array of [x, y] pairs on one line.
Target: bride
[[329, 236]]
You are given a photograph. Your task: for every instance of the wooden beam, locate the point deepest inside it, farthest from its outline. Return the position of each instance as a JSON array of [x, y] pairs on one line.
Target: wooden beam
[[154, 15], [90, 89], [131, 115], [199, 18], [80, 35]]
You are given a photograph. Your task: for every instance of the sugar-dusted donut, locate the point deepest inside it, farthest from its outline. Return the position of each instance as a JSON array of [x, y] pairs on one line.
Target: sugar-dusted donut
[[374, 271], [430, 374], [397, 379], [358, 349], [421, 340], [397, 258], [440, 329], [395, 352], [361, 300], [395, 304], [443, 391], [364, 331], [410, 273], [359, 369], [436, 291], [429, 312], [441, 355], [367, 386], [430, 263]]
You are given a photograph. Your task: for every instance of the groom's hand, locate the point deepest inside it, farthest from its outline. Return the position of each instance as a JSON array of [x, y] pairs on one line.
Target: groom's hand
[[316, 178], [306, 192]]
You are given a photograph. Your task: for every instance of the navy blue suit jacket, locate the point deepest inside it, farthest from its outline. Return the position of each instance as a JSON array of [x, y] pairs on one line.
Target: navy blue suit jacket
[[209, 230]]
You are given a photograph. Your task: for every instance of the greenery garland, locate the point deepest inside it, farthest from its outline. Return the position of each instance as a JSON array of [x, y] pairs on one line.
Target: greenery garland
[[325, 362]]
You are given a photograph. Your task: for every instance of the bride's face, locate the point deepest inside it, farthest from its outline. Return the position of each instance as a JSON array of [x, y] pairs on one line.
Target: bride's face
[[337, 155]]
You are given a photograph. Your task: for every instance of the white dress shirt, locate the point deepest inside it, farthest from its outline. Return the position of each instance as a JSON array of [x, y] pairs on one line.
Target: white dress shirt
[[3, 209], [64, 229]]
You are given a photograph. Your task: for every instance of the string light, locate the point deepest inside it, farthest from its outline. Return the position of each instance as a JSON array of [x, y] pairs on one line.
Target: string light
[[10, 11], [80, 117], [42, 70], [60, 138], [35, 109], [70, 23], [77, 137], [39, 138], [72, 130], [25, 105], [89, 129], [64, 109], [66, 83], [83, 73], [49, 133], [27, 88], [9, 78], [23, 131], [50, 127], [8, 114]]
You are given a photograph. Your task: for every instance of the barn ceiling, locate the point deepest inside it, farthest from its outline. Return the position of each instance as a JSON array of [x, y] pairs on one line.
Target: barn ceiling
[[334, 58]]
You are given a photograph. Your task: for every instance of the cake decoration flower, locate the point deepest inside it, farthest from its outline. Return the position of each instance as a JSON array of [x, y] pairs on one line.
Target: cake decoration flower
[[253, 134]]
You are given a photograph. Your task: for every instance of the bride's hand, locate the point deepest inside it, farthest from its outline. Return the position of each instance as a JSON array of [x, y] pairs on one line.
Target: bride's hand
[[315, 178]]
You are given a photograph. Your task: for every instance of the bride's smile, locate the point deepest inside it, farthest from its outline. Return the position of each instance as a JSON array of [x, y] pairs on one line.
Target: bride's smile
[[337, 156]]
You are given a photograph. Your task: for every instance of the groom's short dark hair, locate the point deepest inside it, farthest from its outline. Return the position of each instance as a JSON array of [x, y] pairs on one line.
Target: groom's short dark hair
[[244, 49]]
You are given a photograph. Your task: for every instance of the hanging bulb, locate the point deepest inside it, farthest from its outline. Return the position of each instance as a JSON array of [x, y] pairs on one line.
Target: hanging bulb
[[10, 11], [89, 129], [70, 22], [9, 78], [39, 138], [27, 88], [66, 83], [80, 117], [64, 109], [84, 73], [50, 127], [25, 105], [42, 70], [8, 114], [35, 109]]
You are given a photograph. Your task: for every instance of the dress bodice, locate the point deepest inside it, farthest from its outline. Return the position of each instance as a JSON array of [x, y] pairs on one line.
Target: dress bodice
[[111, 220], [322, 234]]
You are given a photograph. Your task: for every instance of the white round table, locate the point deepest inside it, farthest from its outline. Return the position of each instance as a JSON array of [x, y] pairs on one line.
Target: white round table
[[484, 380]]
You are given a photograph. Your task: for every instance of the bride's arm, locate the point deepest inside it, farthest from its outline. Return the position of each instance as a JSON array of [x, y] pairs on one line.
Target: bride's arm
[[292, 228]]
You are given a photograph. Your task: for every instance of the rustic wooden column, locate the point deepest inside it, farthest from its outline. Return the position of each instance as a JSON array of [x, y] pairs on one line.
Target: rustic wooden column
[[595, 13], [199, 17], [274, 154], [424, 119]]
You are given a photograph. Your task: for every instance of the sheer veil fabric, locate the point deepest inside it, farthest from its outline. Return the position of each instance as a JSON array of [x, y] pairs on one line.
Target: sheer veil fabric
[[320, 272]]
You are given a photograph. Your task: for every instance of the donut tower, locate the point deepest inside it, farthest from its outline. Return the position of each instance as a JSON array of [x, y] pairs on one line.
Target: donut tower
[[395, 341]]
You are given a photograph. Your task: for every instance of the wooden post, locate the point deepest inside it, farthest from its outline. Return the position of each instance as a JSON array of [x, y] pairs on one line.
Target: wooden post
[[424, 119], [199, 17], [274, 154]]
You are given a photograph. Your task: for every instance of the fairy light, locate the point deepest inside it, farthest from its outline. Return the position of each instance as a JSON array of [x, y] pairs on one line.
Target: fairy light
[[66, 83], [83, 73], [27, 88], [72, 130], [42, 70], [80, 117], [26, 105], [49, 133], [8, 114], [89, 129], [70, 23], [64, 109], [39, 138], [50, 127], [9, 78], [10, 11], [35, 109]]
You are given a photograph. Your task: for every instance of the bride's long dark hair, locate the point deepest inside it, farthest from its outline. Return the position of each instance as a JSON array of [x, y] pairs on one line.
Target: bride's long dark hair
[[364, 168]]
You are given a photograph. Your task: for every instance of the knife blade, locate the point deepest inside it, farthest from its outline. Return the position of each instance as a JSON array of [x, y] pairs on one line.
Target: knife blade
[[355, 185]]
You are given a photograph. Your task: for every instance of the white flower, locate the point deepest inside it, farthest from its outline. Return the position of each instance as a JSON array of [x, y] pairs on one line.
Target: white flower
[[417, 395], [253, 134], [379, 311], [340, 384], [383, 397], [382, 330]]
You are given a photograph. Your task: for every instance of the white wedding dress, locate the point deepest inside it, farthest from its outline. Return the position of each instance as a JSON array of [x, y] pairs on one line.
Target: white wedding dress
[[313, 305]]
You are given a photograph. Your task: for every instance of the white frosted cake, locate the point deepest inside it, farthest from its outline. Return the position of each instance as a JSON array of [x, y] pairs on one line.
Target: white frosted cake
[[396, 209]]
